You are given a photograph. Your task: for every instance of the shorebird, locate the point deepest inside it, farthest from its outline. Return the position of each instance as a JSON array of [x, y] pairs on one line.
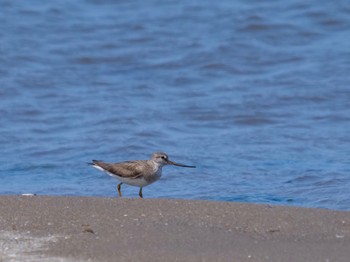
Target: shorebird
[[138, 173]]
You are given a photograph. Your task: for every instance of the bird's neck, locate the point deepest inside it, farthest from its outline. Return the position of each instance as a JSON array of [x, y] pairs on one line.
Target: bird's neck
[[156, 165]]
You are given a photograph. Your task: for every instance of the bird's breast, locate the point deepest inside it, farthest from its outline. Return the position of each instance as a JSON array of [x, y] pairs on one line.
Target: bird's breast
[[154, 176]]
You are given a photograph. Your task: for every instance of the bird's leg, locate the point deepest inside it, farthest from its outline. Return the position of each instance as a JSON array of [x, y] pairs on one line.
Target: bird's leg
[[140, 193], [119, 191]]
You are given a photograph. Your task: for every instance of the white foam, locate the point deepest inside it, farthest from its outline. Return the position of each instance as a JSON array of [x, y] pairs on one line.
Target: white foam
[[16, 246]]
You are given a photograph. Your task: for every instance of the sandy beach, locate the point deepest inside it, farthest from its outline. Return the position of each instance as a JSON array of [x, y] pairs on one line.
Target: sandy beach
[[44, 228]]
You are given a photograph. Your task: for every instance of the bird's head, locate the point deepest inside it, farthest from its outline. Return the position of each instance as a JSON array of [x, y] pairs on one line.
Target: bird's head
[[163, 159]]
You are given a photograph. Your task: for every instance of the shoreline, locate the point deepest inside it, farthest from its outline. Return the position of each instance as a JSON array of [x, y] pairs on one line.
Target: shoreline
[[61, 228]]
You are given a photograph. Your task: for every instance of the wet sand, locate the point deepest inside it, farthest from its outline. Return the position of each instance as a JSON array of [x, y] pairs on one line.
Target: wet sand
[[43, 228]]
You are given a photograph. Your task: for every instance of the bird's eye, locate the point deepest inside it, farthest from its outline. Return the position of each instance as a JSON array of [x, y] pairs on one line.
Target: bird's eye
[[163, 157]]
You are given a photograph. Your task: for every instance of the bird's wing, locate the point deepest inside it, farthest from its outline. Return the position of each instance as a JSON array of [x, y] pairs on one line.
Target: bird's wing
[[128, 169]]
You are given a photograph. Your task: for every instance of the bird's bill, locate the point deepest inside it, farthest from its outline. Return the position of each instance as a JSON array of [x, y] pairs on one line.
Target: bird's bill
[[177, 164]]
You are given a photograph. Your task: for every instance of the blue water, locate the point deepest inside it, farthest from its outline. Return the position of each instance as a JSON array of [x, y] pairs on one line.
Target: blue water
[[256, 94]]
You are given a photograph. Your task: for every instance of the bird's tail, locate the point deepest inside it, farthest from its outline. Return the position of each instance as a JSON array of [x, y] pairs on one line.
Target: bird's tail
[[95, 164]]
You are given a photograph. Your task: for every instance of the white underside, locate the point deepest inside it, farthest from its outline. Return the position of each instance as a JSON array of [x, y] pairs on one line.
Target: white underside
[[139, 182]]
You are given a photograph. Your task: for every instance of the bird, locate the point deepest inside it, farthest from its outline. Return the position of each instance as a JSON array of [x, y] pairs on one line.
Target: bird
[[139, 173]]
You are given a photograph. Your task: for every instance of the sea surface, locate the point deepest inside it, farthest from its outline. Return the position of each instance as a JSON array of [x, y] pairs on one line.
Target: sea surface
[[255, 93]]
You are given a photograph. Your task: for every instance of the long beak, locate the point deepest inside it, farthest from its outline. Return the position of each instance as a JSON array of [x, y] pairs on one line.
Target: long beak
[[177, 164]]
